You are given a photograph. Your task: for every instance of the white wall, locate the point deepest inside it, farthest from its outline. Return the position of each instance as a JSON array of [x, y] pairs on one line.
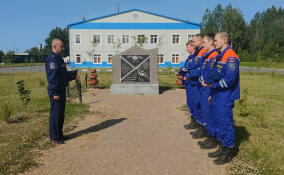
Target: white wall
[[166, 47]]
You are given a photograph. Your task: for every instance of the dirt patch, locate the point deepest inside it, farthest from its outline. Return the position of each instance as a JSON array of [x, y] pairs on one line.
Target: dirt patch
[[130, 134]]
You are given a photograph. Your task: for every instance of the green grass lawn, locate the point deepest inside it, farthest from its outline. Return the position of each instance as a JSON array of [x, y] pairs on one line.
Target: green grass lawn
[[260, 132], [21, 140], [263, 65], [20, 64]]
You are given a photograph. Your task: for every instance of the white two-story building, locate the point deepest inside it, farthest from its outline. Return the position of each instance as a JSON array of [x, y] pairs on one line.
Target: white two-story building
[[93, 42]]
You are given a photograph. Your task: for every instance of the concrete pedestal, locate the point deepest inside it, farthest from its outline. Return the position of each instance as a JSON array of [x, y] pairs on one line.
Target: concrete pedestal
[[131, 89]]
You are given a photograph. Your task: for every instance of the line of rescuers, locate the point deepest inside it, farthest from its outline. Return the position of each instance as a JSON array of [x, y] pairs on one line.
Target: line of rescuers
[[211, 79]]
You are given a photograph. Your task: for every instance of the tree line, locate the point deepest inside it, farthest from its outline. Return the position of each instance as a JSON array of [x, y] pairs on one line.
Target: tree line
[[36, 55], [261, 39]]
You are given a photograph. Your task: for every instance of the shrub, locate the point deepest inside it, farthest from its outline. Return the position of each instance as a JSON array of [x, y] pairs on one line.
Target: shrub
[[24, 94], [243, 103], [6, 110]]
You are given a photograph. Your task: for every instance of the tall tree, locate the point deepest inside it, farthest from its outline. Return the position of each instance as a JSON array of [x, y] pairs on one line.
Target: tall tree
[[218, 14], [1, 56], [266, 34], [61, 34], [229, 19], [35, 53], [9, 57], [212, 21], [206, 24], [261, 39], [234, 23], [257, 33]]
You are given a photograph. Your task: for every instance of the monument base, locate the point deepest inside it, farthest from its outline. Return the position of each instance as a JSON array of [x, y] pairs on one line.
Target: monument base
[[139, 89]]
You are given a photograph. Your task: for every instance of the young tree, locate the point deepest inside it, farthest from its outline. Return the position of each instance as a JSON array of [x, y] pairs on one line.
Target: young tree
[[24, 95]]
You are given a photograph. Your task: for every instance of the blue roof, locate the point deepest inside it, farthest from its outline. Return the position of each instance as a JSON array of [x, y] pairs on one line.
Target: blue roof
[[92, 19]]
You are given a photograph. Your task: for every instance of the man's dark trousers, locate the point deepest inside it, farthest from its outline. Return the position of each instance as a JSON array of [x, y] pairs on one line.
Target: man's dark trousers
[[56, 120]]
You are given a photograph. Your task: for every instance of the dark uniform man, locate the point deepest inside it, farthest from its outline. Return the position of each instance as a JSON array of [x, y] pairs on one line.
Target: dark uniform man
[[224, 91], [58, 78]]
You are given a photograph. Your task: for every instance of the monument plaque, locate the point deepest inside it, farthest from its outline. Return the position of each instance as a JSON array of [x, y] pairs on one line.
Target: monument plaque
[[135, 71], [135, 68]]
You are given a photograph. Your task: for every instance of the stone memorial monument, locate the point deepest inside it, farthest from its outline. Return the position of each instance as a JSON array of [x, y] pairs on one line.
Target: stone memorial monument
[[135, 71]]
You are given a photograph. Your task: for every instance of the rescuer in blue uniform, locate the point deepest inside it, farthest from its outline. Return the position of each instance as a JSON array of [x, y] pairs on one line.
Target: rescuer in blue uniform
[[58, 78], [194, 86], [190, 64], [183, 71], [205, 106], [224, 92]]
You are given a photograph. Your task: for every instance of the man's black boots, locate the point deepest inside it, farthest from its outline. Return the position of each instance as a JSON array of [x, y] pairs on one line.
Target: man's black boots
[[226, 156], [212, 143], [204, 141], [200, 133], [197, 130], [216, 153], [192, 125]]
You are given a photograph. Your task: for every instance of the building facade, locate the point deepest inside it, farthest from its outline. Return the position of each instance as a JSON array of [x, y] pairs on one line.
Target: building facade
[[93, 42]]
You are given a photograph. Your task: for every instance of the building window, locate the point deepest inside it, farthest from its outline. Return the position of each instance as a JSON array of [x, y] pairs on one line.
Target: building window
[[109, 58], [141, 39], [78, 58], [97, 59], [176, 39], [97, 39], [110, 39], [160, 58], [77, 39], [175, 58], [125, 39], [190, 37], [153, 39]]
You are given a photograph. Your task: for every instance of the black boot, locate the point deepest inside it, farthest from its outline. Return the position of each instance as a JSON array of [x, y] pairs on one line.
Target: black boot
[[212, 143], [197, 130], [201, 134], [204, 141], [226, 156], [216, 153], [192, 125]]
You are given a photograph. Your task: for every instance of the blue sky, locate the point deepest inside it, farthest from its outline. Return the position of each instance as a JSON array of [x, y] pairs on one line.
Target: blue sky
[[24, 23]]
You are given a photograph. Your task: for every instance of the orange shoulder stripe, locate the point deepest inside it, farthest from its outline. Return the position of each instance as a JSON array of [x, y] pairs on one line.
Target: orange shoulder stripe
[[213, 54], [201, 52], [228, 54]]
